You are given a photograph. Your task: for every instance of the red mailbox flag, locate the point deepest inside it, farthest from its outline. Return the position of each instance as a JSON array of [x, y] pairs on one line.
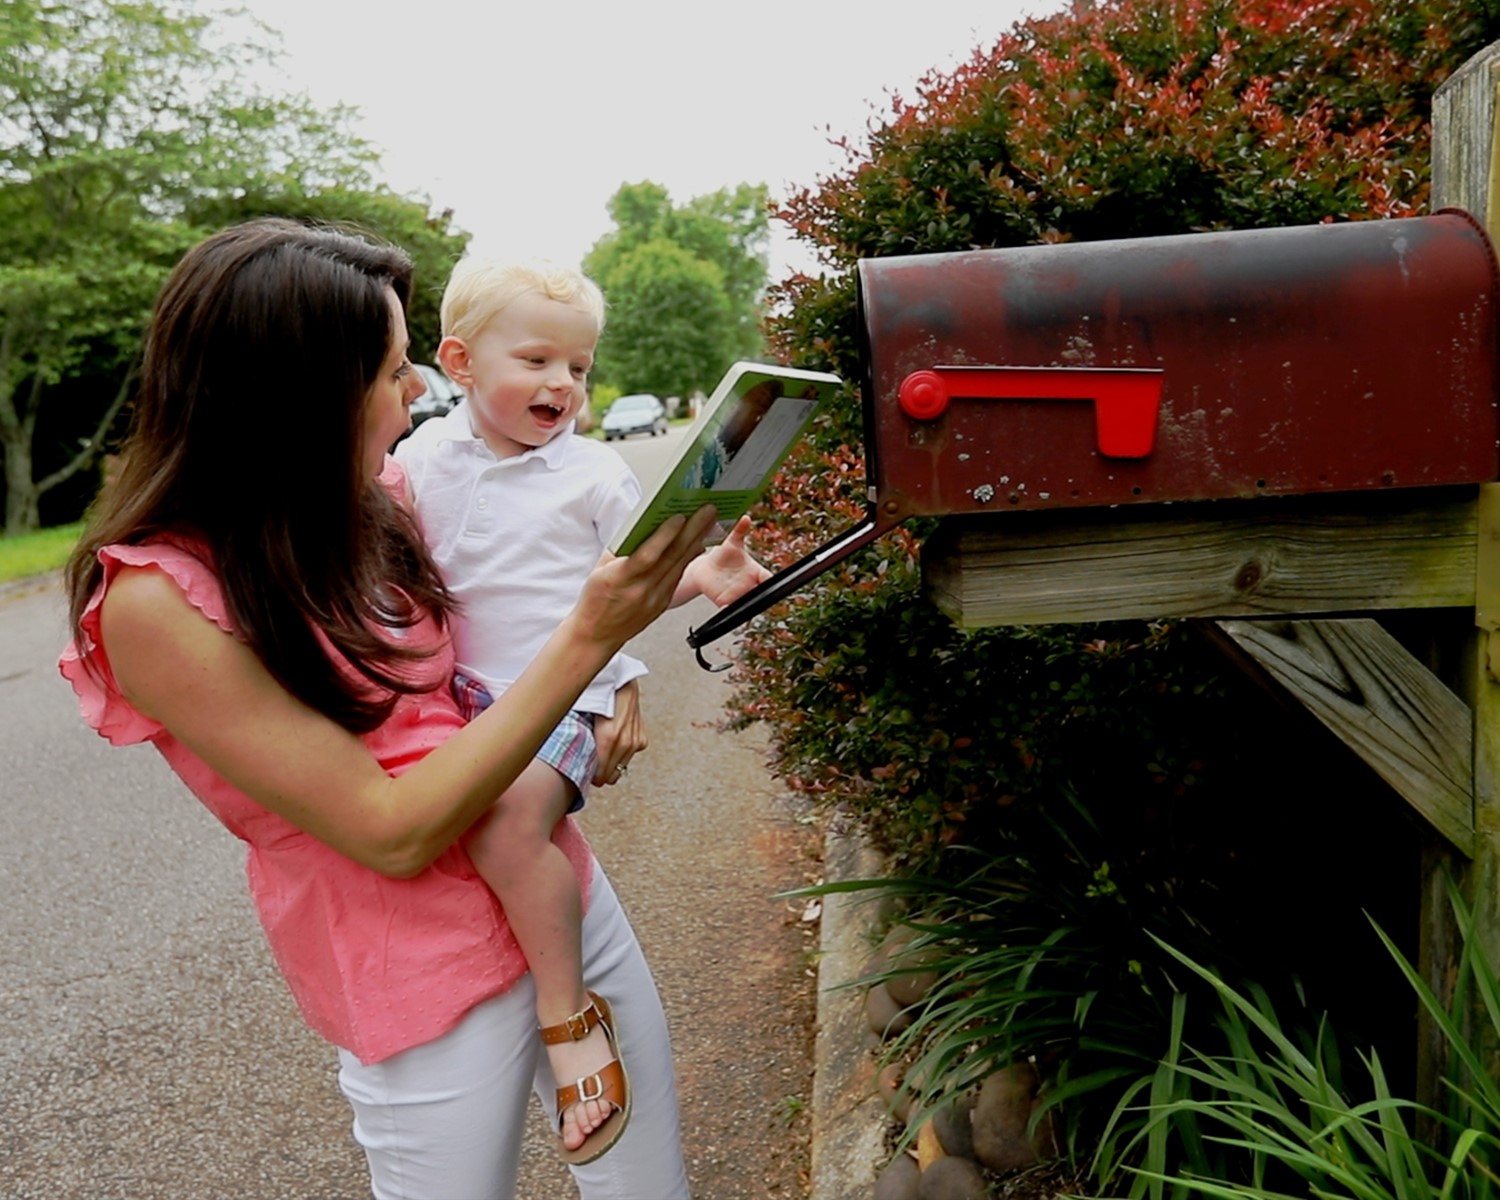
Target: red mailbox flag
[[1126, 399]]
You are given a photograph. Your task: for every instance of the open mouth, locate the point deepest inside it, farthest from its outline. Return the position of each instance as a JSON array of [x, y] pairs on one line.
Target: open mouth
[[548, 413]]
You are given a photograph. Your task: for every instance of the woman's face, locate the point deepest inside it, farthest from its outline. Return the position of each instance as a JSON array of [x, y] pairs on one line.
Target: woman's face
[[388, 404]]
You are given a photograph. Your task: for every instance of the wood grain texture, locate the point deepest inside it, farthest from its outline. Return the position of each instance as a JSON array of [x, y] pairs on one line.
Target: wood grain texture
[[1351, 552], [1463, 137], [1464, 170], [1363, 685]]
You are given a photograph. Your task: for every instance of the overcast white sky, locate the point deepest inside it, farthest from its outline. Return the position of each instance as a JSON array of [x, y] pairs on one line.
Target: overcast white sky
[[524, 118]]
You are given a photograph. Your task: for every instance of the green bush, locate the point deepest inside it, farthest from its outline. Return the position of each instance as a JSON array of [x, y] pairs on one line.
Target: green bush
[[1086, 755], [1119, 118], [1129, 118]]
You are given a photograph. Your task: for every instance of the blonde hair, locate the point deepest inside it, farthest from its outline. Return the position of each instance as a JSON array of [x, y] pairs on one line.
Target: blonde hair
[[480, 289]]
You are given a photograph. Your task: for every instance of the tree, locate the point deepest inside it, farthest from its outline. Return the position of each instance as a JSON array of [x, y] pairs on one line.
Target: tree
[[123, 128], [430, 239], [669, 322], [684, 286]]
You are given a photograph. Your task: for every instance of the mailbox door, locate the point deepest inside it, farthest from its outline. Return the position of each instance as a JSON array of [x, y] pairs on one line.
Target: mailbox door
[[1309, 359]]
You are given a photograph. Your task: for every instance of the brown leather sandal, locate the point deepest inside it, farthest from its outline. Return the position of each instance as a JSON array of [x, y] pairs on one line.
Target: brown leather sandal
[[609, 1084]]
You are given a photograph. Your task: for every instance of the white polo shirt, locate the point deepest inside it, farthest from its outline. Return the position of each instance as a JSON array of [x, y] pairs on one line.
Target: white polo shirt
[[516, 538]]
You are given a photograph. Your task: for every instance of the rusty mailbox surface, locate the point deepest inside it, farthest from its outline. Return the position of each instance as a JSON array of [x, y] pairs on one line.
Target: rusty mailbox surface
[[1198, 367], [1206, 366]]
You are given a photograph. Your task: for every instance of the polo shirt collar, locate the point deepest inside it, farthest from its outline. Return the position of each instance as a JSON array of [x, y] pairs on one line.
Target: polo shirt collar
[[457, 427]]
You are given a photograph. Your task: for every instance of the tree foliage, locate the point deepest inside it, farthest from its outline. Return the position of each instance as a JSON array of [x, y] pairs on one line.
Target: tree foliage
[[430, 238], [127, 131], [684, 287], [1132, 118]]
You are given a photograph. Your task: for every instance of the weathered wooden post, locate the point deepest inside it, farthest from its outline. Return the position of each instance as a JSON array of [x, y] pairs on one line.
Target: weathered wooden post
[[1464, 175]]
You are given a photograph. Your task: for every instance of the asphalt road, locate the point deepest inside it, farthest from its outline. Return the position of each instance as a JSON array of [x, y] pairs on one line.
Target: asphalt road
[[148, 1049]]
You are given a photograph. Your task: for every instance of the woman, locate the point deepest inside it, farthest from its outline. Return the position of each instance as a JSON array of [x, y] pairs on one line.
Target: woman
[[258, 605]]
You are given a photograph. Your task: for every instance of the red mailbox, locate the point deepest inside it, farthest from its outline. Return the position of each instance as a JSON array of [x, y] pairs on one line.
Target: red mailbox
[[1314, 359], [1207, 366]]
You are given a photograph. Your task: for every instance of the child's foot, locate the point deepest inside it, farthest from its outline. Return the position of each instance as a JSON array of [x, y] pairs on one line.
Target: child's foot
[[572, 1061], [591, 1083]]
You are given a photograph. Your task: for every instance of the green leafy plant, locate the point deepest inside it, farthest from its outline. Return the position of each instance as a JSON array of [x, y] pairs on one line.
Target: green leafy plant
[[1269, 1115], [791, 1109], [1049, 951]]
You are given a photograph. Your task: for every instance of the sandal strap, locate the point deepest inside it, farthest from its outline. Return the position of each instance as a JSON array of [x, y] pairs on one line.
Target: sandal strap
[[607, 1084], [574, 1028]]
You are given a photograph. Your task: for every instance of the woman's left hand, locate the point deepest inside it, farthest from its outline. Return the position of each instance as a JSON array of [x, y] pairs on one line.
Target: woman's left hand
[[621, 737]]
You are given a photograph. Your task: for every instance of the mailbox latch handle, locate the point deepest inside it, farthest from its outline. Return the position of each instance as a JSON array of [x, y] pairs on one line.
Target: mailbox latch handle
[[1126, 399]]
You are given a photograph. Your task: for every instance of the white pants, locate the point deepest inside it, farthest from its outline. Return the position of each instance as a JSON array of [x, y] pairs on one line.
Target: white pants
[[444, 1121]]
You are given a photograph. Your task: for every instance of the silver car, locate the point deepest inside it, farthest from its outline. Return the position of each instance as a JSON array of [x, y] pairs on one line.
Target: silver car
[[636, 413], [442, 394]]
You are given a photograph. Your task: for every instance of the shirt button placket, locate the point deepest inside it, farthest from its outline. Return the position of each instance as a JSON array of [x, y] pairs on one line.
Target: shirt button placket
[[480, 517]]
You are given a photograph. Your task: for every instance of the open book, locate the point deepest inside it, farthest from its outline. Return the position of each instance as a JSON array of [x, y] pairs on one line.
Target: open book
[[733, 449]]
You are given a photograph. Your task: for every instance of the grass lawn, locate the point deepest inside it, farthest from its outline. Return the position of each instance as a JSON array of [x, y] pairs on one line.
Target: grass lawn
[[36, 553]]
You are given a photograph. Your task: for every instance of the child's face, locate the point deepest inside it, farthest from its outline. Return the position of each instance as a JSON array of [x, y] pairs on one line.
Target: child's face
[[525, 372]]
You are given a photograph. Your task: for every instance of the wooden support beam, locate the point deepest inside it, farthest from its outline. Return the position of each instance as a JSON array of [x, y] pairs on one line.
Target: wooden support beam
[[1363, 685], [1466, 175], [1320, 554]]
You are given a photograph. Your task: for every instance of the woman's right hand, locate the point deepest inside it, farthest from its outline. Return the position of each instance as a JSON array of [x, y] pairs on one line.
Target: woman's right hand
[[624, 595]]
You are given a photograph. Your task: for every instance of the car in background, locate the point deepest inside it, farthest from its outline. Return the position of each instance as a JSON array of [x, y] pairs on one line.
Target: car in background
[[441, 396], [636, 413]]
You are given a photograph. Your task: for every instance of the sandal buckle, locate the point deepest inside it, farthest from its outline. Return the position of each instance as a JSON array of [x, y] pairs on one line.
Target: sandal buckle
[[578, 1025], [583, 1087]]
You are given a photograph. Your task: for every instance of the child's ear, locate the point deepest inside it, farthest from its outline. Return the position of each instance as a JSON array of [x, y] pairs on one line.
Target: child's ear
[[453, 357]]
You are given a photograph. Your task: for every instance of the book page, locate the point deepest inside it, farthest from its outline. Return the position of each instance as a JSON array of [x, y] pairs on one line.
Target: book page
[[761, 451], [734, 449]]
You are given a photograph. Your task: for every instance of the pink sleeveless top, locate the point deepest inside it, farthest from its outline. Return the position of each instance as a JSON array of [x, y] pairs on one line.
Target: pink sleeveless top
[[377, 965]]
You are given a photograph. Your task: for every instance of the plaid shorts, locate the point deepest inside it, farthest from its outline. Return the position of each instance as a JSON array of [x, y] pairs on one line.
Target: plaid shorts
[[570, 749]]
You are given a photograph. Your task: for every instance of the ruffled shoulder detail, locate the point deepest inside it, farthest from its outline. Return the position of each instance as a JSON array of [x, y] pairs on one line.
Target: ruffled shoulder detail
[[392, 478], [85, 664]]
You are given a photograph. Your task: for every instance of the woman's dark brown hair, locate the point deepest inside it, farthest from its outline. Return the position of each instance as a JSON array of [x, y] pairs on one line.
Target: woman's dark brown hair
[[245, 440]]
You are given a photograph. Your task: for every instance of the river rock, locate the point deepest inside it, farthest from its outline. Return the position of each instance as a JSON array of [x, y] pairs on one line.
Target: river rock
[[912, 982], [953, 1124], [929, 1149], [897, 1098], [899, 1180], [952, 1179], [1000, 1116], [885, 1017]]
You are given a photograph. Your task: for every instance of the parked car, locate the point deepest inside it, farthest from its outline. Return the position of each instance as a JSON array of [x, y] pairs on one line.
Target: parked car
[[441, 396], [637, 413]]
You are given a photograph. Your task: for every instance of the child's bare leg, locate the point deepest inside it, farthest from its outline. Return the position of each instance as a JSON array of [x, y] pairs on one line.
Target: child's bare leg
[[512, 849]]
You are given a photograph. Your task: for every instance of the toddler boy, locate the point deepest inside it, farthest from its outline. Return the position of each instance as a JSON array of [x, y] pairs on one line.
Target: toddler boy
[[517, 513]]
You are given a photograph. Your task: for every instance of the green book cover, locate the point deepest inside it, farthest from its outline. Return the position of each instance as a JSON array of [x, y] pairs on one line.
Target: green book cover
[[733, 450]]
